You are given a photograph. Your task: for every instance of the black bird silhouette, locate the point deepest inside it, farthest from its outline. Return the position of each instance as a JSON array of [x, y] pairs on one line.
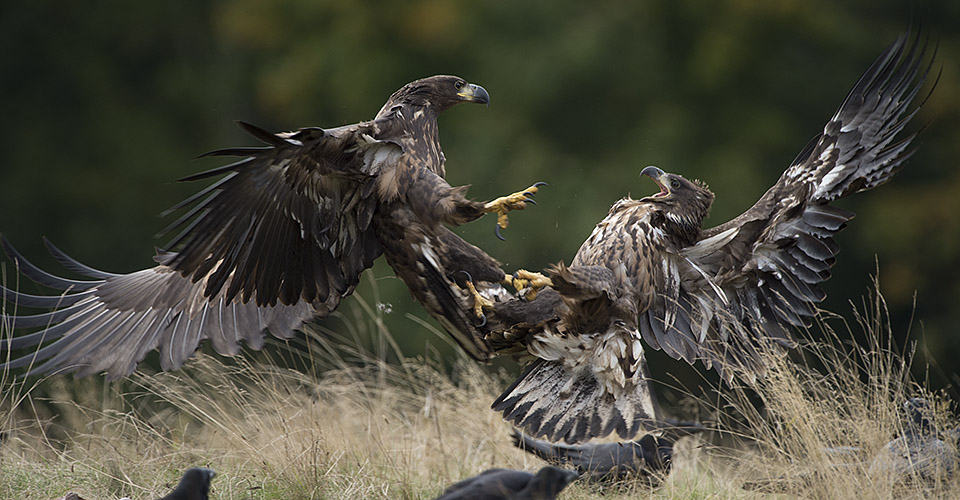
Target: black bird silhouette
[[194, 485], [506, 484], [604, 461]]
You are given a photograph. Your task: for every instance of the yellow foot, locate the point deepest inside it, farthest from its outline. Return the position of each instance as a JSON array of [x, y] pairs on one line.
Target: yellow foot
[[515, 201], [479, 302], [526, 280]]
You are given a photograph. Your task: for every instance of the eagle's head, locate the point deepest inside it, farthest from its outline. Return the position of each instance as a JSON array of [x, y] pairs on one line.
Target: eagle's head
[[438, 93], [683, 203]]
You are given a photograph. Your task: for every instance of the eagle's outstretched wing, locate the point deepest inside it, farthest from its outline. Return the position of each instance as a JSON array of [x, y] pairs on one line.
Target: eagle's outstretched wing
[[282, 237], [289, 222], [736, 290]]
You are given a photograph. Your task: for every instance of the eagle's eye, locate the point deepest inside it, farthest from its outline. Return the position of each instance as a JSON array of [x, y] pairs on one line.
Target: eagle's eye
[[458, 85], [675, 184]]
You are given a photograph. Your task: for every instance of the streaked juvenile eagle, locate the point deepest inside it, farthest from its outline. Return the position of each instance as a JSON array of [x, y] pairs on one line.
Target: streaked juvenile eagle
[[722, 295], [281, 238]]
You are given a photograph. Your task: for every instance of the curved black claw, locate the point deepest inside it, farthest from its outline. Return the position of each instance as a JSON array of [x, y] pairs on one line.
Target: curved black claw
[[496, 230], [529, 200], [483, 317], [541, 183]]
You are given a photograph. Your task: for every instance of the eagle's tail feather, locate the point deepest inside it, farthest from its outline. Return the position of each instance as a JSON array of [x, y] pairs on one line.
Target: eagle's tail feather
[[549, 401]]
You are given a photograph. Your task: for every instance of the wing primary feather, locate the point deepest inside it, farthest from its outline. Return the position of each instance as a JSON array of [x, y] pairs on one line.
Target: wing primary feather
[[263, 135], [41, 301], [239, 254], [179, 238], [52, 349], [869, 77], [75, 266], [45, 319], [185, 217], [35, 338], [910, 68], [123, 365], [41, 277], [95, 336], [213, 172], [227, 269], [241, 151], [199, 194]]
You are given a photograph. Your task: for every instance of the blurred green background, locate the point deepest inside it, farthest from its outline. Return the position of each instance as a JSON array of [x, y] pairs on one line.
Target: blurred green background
[[102, 107]]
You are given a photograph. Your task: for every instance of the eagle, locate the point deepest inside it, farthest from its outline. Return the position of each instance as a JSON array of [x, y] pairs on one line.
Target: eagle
[[649, 273], [279, 239]]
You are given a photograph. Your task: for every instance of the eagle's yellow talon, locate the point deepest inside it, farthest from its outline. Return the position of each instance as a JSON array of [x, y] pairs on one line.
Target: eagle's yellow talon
[[479, 301], [515, 201], [523, 279]]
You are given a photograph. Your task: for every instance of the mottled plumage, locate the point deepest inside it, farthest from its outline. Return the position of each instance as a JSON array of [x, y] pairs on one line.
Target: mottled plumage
[[722, 296], [281, 238], [590, 377]]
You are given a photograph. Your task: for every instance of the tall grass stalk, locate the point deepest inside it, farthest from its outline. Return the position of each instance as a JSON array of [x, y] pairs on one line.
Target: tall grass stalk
[[814, 423]]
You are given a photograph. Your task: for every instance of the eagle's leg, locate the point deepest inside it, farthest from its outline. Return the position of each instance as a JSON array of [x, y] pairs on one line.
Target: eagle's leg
[[479, 302], [515, 201], [523, 279]]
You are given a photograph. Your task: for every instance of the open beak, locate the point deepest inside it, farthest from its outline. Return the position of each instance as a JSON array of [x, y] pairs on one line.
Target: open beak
[[474, 93], [658, 176]]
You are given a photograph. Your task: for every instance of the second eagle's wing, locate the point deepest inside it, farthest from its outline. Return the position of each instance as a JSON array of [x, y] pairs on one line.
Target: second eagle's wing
[[736, 291]]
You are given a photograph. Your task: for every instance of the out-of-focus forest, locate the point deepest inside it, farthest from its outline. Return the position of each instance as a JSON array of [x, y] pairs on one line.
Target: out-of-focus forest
[[104, 104]]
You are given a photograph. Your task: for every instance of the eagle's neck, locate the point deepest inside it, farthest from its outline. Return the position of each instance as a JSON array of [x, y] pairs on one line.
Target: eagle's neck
[[424, 122], [682, 226], [418, 122], [681, 221]]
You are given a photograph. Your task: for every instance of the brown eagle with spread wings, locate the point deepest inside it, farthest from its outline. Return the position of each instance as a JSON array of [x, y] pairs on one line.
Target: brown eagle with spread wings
[[721, 296], [280, 239]]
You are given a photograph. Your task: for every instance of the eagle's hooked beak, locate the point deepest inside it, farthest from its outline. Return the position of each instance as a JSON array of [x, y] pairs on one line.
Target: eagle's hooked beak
[[474, 93], [658, 176]]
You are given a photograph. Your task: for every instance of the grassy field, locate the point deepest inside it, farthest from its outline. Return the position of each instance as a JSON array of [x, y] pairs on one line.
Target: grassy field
[[340, 423]]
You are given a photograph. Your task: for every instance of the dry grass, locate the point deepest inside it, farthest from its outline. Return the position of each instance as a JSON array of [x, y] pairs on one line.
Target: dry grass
[[828, 412], [346, 424]]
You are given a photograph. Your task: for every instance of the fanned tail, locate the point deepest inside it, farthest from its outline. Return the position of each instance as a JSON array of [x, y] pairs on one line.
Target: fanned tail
[[551, 402]]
